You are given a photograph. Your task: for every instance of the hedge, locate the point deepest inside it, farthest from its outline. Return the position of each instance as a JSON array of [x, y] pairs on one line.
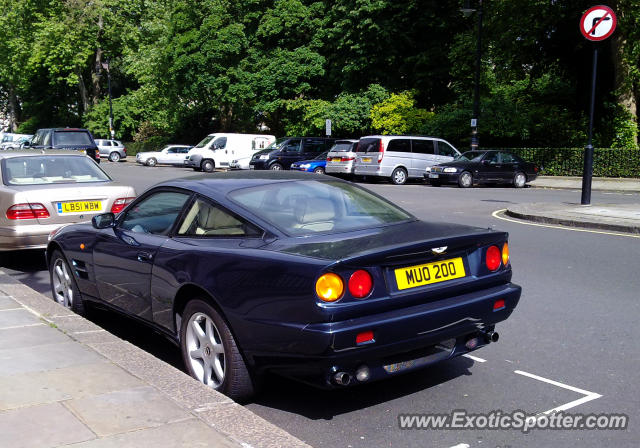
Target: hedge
[[570, 161], [151, 144]]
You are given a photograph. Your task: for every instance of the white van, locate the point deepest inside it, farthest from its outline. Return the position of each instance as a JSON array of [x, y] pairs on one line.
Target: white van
[[400, 157], [220, 149]]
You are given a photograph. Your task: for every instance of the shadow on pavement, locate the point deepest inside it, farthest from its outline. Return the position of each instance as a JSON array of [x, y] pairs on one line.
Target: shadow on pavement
[[317, 404]]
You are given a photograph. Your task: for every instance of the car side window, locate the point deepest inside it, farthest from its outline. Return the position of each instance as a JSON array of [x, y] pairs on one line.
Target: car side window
[[505, 157], [205, 219], [313, 145], [106, 143], [445, 149], [292, 146], [155, 214], [183, 150], [219, 143], [172, 151], [492, 158], [423, 146], [46, 141], [399, 145]]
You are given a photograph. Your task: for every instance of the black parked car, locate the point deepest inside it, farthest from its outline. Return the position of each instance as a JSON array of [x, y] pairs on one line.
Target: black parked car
[[65, 138], [308, 276], [290, 150], [488, 167]]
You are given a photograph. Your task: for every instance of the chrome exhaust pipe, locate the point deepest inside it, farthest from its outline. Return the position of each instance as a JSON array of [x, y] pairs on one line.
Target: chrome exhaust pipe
[[342, 378], [491, 336]]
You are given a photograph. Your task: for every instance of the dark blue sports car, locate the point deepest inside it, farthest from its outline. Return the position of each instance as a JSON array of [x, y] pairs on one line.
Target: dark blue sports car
[[310, 277]]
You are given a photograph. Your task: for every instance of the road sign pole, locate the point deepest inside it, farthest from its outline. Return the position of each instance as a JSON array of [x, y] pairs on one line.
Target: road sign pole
[[588, 150]]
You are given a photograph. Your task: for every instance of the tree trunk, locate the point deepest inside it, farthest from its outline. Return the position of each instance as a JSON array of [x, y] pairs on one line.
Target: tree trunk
[[14, 110], [84, 95], [97, 68]]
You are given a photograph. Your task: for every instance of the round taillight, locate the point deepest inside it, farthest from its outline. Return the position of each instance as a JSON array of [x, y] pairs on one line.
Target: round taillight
[[493, 258], [360, 284], [505, 254], [329, 287]]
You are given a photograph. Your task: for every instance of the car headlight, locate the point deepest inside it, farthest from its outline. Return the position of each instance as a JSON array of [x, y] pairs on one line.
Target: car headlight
[[450, 170], [264, 157], [428, 169]]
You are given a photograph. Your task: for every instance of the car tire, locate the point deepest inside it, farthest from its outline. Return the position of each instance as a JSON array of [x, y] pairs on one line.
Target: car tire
[[319, 170], [465, 180], [276, 167], [114, 156], [399, 176], [210, 352], [207, 166], [63, 285], [151, 161], [519, 179]]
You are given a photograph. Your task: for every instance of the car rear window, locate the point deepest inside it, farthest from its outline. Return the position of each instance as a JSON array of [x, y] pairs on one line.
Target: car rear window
[[303, 208], [80, 138], [51, 169], [369, 145], [342, 147]]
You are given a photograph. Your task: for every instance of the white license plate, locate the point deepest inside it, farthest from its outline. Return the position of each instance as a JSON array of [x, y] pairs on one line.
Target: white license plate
[[433, 176]]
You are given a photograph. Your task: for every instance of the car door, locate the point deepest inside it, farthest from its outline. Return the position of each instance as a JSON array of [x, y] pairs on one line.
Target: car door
[[311, 148], [290, 152], [509, 166], [166, 155], [123, 259], [423, 156], [490, 169]]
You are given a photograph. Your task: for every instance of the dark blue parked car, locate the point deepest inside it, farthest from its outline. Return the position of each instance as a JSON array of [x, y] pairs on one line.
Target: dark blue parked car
[[311, 277], [312, 166]]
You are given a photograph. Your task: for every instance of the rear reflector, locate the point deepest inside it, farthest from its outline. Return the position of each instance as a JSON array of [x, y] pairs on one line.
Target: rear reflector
[[365, 337], [27, 211], [493, 258], [498, 305], [119, 204]]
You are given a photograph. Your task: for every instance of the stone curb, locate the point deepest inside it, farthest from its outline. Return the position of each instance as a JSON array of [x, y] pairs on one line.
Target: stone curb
[[215, 409], [519, 213]]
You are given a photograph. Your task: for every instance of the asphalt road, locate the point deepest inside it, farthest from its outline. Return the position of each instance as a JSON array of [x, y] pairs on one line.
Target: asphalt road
[[571, 338]]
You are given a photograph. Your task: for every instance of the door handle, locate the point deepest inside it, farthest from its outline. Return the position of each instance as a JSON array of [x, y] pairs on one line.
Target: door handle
[[145, 257]]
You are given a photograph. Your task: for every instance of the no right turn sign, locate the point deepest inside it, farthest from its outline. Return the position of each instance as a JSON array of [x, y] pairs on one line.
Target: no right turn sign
[[598, 23]]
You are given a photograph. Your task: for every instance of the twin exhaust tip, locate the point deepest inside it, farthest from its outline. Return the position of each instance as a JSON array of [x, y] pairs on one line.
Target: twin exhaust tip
[[344, 378]]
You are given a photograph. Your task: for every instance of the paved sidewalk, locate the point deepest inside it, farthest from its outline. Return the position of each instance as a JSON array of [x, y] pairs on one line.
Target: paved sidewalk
[[597, 184], [64, 381], [616, 218]]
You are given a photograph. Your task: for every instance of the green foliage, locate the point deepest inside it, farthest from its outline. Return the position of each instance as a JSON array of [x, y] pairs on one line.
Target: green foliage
[[625, 130], [154, 143], [399, 115], [570, 161]]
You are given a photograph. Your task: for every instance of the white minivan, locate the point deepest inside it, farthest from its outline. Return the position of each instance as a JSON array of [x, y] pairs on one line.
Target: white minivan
[[400, 157], [220, 149]]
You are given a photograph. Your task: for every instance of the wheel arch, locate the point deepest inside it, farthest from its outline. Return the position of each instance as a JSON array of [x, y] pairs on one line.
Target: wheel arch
[[184, 295]]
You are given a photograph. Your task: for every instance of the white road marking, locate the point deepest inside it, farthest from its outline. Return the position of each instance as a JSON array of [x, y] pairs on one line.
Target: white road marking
[[551, 226], [461, 445], [588, 396], [12, 309], [88, 331], [475, 358], [21, 326]]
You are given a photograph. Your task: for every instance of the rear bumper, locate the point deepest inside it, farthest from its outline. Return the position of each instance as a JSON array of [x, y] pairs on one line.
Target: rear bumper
[[400, 335], [336, 168], [31, 236], [372, 170]]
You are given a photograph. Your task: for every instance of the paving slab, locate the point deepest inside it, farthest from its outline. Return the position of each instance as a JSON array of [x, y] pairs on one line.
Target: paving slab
[[126, 410], [24, 337], [186, 434], [17, 318], [7, 303], [45, 357], [630, 185], [28, 389], [42, 426]]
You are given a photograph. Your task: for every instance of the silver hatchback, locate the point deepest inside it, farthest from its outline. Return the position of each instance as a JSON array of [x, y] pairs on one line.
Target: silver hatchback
[[113, 150], [341, 158]]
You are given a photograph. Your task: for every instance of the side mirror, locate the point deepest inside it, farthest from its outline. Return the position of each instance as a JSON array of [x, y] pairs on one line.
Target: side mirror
[[104, 221]]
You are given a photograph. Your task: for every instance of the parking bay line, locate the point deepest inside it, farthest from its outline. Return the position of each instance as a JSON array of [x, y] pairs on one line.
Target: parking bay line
[[588, 396], [474, 358]]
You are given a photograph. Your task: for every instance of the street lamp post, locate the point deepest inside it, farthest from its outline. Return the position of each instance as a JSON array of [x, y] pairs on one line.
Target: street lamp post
[[467, 11]]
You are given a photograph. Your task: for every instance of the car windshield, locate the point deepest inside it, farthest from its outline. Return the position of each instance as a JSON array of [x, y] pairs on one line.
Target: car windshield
[[474, 156], [51, 169], [73, 138], [322, 156], [204, 142], [305, 208]]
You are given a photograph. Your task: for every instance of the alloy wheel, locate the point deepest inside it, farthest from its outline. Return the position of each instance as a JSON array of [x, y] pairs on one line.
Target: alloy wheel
[[62, 283], [206, 350]]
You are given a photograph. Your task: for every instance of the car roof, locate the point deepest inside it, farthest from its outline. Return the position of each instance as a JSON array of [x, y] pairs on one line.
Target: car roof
[[223, 183], [39, 152]]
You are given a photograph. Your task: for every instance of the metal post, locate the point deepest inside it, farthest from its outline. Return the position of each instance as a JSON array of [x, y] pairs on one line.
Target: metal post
[[475, 138], [588, 150]]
